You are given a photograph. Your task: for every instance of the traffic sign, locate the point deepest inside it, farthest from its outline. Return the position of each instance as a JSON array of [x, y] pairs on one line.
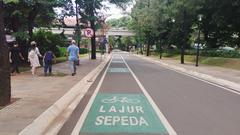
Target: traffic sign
[[88, 32]]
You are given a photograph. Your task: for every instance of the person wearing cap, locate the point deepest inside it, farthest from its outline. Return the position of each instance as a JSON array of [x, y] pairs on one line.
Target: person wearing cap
[[73, 57], [33, 57]]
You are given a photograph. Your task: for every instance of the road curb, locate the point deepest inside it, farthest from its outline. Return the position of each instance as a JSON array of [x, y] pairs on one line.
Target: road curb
[[66, 103], [219, 81]]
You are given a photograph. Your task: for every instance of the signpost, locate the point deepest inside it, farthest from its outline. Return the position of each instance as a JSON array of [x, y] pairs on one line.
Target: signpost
[[88, 32]]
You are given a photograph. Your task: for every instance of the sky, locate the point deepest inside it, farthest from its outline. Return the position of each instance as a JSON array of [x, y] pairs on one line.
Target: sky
[[115, 12], [112, 12]]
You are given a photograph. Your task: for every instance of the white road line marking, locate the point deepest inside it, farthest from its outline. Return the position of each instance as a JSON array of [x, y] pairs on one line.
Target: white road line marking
[[211, 83], [169, 128], [82, 118], [197, 78]]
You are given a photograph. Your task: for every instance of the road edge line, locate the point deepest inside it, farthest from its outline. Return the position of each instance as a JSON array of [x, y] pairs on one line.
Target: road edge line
[[219, 82], [163, 119], [82, 118], [42, 122]]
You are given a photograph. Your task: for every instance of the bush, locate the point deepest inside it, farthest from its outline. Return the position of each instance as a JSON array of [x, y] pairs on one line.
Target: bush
[[47, 40], [205, 52], [220, 53], [63, 51], [83, 50]]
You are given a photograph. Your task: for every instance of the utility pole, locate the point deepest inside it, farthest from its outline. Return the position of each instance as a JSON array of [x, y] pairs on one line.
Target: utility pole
[[5, 83]]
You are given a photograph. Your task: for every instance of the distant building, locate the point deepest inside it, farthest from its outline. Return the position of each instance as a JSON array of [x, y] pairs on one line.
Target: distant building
[[70, 21], [10, 38]]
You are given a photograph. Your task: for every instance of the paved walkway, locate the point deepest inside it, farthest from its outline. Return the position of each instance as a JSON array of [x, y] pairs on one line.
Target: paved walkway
[[219, 72], [35, 94]]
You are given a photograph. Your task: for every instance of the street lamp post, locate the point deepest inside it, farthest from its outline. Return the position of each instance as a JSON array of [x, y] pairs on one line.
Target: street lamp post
[[198, 45]]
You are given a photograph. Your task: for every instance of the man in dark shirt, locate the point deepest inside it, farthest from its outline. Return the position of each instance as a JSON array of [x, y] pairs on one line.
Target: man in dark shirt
[[15, 57]]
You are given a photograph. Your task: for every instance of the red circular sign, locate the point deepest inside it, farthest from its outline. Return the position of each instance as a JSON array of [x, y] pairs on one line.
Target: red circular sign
[[88, 32]]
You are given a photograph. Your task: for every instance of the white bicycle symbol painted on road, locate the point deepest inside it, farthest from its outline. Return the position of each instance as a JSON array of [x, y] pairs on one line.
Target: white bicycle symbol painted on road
[[121, 100]]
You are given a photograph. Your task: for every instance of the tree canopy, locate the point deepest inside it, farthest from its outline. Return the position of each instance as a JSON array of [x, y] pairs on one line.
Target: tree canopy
[[90, 10], [167, 22], [22, 16], [123, 22]]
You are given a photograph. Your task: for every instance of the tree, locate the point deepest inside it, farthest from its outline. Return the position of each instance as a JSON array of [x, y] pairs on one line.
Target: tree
[[89, 10], [122, 22], [5, 87], [128, 43], [145, 18], [220, 22], [168, 22], [23, 16]]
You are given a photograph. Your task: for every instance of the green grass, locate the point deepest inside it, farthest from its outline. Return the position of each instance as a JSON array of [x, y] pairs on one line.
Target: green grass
[[61, 59], [58, 74], [232, 63], [24, 68], [83, 55]]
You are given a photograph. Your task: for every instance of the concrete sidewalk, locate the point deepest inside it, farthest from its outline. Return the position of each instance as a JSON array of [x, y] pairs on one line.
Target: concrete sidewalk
[[36, 94], [222, 76]]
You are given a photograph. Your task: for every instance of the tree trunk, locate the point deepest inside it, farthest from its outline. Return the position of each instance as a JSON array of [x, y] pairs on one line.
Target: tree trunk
[[149, 42], [93, 39], [5, 87], [30, 30], [160, 49], [184, 37], [31, 18]]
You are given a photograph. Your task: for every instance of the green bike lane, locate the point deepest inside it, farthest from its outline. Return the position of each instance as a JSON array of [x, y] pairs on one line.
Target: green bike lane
[[118, 105]]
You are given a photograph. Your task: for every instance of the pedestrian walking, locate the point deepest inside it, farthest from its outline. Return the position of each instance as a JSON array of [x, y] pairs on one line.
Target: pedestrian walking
[[73, 57], [33, 57], [48, 59], [15, 57]]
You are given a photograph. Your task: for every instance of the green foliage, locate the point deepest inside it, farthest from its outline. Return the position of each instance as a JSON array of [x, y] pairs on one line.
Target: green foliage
[[24, 15], [63, 51], [176, 22], [220, 22], [83, 50], [90, 9], [128, 42], [10, 1], [123, 22], [61, 59], [204, 52], [219, 53], [47, 40], [21, 35]]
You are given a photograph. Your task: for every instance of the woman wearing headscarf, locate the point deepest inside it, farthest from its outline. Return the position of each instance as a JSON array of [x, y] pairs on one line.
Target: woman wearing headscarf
[[33, 57]]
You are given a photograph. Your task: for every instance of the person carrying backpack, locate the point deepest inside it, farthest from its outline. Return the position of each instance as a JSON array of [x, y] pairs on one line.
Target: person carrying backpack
[[47, 61]]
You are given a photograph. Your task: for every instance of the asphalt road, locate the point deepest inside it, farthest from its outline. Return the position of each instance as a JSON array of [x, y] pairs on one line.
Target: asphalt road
[[135, 96]]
